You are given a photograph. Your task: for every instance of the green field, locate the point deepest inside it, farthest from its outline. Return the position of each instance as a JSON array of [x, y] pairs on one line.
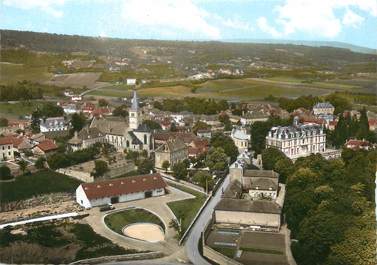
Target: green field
[[186, 210], [246, 88], [117, 221], [58, 243], [42, 182], [19, 109], [11, 73]]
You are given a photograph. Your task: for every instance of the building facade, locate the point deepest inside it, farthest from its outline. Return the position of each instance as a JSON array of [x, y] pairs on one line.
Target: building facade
[[323, 108], [297, 140], [53, 124], [6, 149], [120, 190], [173, 151], [241, 138]]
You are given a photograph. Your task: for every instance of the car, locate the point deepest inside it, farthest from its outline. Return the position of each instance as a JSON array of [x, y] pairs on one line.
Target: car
[[107, 207]]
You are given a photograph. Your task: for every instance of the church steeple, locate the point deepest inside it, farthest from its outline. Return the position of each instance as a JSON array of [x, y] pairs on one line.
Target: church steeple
[[134, 113]]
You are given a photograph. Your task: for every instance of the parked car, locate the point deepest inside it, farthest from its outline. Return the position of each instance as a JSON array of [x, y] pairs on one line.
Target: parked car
[[107, 207]]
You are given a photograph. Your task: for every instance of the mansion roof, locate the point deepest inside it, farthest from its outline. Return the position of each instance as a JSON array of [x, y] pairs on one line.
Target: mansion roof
[[299, 131], [246, 205]]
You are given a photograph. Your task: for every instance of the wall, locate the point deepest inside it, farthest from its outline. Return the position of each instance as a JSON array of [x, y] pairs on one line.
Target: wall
[[248, 218], [81, 198], [80, 175]]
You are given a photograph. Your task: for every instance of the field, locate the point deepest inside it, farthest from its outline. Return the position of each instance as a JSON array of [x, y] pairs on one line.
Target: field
[[11, 73], [14, 110], [116, 221], [57, 243], [244, 89], [42, 182], [77, 80], [186, 210]]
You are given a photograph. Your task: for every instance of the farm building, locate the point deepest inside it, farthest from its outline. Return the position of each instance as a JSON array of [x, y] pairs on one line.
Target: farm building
[[120, 190]]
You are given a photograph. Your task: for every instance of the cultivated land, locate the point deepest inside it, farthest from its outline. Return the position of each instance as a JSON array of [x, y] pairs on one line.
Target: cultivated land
[[117, 221], [56, 243], [42, 182], [11, 73]]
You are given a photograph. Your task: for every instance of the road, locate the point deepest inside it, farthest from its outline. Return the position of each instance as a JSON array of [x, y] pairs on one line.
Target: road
[[192, 241]]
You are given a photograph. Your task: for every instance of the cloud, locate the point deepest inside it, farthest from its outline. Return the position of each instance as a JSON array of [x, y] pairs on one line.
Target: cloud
[[265, 27], [350, 18], [50, 7], [169, 17], [237, 24], [318, 18]]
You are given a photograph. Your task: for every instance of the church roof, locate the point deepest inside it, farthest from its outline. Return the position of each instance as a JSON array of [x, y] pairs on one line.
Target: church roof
[[134, 140], [110, 125]]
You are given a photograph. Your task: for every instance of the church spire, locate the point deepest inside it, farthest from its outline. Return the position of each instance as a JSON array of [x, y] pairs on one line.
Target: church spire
[[135, 102]]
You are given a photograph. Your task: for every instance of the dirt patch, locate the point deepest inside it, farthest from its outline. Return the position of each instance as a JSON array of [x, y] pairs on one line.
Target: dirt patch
[[144, 231], [75, 80]]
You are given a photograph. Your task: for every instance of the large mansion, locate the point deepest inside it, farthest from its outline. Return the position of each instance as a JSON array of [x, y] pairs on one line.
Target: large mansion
[[297, 140]]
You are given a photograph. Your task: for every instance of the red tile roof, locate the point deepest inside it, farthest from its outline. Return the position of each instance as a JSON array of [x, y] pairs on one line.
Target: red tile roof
[[6, 140], [47, 145], [118, 187]]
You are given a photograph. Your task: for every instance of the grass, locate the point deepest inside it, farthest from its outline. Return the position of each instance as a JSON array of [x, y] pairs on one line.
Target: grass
[[81, 237], [245, 88], [42, 182], [187, 209], [229, 252], [116, 221], [11, 73], [19, 108], [259, 250]]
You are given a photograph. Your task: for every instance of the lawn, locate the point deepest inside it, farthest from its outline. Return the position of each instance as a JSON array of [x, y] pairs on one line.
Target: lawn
[[187, 209], [56, 243], [116, 221], [42, 182]]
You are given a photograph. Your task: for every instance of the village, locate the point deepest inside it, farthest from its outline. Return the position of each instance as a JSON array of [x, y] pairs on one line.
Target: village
[[150, 180]]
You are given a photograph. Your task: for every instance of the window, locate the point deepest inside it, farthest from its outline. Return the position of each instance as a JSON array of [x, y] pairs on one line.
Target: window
[[145, 139]]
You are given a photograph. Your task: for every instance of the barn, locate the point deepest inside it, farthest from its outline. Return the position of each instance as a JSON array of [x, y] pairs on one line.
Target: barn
[[120, 190]]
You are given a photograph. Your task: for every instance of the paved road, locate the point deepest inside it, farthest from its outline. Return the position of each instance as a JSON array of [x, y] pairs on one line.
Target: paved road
[[192, 241]]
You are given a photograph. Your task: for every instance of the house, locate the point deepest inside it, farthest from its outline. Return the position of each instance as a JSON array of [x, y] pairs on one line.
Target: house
[[45, 148], [372, 124], [297, 140], [358, 144], [6, 149], [173, 151], [120, 190], [20, 143], [197, 147], [253, 200], [86, 138], [204, 133], [323, 108], [131, 81], [241, 138], [53, 124], [253, 116], [14, 126]]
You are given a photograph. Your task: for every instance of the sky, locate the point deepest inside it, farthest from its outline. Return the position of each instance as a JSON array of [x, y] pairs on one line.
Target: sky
[[350, 21]]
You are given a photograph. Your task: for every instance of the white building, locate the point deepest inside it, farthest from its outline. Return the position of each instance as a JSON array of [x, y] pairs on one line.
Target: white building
[[6, 149], [297, 140], [323, 108], [131, 81], [53, 124], [120, 190], [241, 138]]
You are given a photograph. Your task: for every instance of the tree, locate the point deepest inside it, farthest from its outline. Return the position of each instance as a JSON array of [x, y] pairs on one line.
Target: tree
[[152, 125], [173, 127], [121, 111], [40, 163], [78, 121], [145, 166], [23, 165], [100, 168], [103, 102], [3, 122], [226, 143], [216, 159], [341, 104], [284, 167], [35, 122], [5, 173], [165, 165], [204, 179], [363, 128], [270, 156], [199, 125], [180, 170]]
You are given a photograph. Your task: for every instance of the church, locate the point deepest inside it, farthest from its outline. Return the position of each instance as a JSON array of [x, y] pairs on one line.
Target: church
[[132, 135]]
